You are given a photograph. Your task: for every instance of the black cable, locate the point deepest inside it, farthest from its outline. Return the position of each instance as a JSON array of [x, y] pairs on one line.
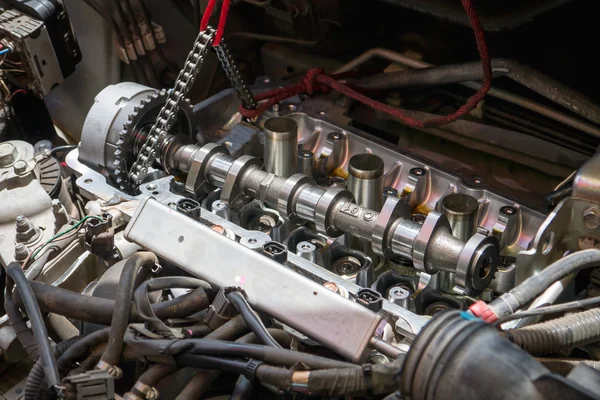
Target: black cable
[[242, 390], [144, 307], [270, 355], [252, 319], [120, 318], [36, 376], [100, 311], [558, 308], [235, 366], [62, 149], [37, 324]]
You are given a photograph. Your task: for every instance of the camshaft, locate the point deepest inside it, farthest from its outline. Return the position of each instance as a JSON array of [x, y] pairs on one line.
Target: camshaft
[[431, 245]]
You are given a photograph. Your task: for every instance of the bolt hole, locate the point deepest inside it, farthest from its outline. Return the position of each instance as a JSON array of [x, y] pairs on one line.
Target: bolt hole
[[548, 243], [316, 293], [181, 239], [88, 181], [290, 69], [155, 192], [252, 241]]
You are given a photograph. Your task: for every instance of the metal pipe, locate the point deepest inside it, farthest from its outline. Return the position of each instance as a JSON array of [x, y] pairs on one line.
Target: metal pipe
[[494, 92], [472, 71], [365, 180], [461, 211], [281, 146]]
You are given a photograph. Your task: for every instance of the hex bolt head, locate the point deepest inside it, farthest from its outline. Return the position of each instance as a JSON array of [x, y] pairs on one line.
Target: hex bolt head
[[591, 218], [56, 205], [26, 232], [8, 154], [418, 171], [20, 167], [23, 223], [21, 252]]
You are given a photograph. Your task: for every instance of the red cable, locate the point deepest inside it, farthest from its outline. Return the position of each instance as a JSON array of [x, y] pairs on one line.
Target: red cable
[[222, 19], [315, 80]]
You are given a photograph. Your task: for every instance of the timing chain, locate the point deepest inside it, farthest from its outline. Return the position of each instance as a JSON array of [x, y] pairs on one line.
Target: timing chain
[[234, 76], [167, 116]]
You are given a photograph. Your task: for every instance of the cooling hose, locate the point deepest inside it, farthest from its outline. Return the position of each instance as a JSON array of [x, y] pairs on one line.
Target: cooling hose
[[252, 319], [37, 324], [99, 311], [144, 307], [558, 334], [120, 318]]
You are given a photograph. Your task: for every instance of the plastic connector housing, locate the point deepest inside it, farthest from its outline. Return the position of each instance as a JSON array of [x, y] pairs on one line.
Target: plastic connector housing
[[92, 385], [221, 310]]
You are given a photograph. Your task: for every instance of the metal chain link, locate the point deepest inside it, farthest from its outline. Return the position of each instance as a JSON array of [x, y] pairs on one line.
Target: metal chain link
[[234, 76], [168, 114]]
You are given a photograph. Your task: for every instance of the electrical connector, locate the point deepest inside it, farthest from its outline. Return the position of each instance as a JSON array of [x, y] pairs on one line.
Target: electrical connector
[[221, 310], [92, 385]]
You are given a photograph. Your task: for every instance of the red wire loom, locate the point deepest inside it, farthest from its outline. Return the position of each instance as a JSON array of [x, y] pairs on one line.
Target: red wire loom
[[317, 80]]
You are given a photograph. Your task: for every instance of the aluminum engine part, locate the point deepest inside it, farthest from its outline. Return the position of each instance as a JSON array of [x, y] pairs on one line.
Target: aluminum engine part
[[22, 195], [118, 123], [220, 260], [421, 187]]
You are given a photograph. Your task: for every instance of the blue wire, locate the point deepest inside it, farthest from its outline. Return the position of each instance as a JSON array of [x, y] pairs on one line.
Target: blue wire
[[4, 51]]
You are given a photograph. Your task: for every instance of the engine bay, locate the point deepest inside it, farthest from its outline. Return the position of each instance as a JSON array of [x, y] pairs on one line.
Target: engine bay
[[324, 228]]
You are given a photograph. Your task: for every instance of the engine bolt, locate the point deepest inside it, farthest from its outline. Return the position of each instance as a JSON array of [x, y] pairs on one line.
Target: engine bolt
[[20, 167], [21, 252], [591, 219], [8, 154], [23, 223]]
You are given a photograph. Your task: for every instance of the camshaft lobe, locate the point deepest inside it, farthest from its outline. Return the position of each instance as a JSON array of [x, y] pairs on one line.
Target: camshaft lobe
[[431, 246]]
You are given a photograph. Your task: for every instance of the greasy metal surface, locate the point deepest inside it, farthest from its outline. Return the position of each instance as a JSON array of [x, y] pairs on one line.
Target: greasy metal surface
[[315, 130], [563, 230], [586, 184], [21, 195], [271, 287]]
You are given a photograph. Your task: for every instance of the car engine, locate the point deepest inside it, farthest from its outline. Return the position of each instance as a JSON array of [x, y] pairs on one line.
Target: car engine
[[286, 211]]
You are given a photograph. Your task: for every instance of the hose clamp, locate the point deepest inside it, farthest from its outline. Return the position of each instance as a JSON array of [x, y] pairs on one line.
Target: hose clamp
[[251, 367]]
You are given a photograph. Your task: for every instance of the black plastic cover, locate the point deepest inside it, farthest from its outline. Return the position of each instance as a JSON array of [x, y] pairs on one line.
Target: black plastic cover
[[55, 18]]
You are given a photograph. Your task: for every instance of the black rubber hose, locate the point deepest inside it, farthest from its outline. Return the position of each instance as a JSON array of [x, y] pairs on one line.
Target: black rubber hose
[[243, 389], [471, 71], [155, 373], [282, 337], [558, 334], [271, 355], [36, 376], [99, 311], [63, 328], [82, 347], [120, 318], [19, 325], [252, 319], [198, 385], [535, 285], [198, 331], [229, 330], [144, 307], [202, 381], [235, 366], [37, 324]]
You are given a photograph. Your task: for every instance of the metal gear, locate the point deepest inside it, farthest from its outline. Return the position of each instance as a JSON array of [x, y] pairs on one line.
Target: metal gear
[[114, 128], [135, 131]]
